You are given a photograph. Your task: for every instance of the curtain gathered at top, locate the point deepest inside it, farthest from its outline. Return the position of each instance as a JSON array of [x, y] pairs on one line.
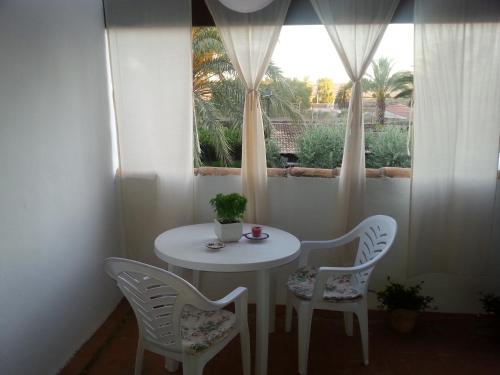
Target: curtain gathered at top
[[249, 39], [456, 135], [356, 28], [150, 56]]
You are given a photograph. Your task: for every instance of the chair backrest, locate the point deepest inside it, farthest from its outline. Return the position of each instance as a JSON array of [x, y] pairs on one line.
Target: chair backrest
[[157, 298], [376, 235]]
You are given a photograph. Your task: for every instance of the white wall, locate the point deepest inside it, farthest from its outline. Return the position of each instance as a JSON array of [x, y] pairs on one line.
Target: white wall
[[305, 206], [57, 199]]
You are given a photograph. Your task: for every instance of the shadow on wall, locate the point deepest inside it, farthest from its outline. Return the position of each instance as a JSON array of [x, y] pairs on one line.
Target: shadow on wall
[[139, 197]]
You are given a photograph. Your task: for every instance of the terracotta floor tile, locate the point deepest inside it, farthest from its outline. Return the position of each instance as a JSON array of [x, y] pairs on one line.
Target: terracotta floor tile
[[442, 344]]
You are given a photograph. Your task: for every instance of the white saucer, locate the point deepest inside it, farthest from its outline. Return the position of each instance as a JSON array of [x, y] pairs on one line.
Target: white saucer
[[250, 236], [215, 245]]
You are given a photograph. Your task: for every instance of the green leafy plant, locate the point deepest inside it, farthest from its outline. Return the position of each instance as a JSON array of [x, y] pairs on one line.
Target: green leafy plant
[[229, 208], [491, 303], [321, 146], [397, 296], [387, 148]]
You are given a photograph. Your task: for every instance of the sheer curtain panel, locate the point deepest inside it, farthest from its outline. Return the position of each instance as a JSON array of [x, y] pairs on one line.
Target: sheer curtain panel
[[456, 134], [150, 55], [249, 39], [356, 28]]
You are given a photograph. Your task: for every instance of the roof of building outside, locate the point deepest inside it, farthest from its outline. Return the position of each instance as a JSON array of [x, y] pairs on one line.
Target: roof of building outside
[[285, 135]]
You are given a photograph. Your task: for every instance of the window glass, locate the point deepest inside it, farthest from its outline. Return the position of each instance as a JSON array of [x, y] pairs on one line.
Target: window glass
[[304, 98]]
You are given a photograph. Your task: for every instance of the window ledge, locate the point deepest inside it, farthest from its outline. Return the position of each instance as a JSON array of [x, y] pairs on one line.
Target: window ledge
[[390, 172]]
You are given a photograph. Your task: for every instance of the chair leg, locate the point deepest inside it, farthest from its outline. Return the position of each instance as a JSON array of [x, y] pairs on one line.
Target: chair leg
[[171, 365], [348, 323], [305, 317], [245, 349], [191, 366], [139, 357], [288, 316], [362, 315]]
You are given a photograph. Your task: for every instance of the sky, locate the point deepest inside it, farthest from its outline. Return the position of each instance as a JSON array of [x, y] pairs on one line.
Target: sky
[[307, 51]]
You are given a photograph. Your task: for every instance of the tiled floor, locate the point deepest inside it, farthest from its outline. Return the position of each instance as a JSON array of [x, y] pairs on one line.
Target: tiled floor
[[442, 344]]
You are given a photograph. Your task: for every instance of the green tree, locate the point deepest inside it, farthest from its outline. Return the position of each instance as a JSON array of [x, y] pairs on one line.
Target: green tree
[[302, 90], [382, 83], [219, 95], [324, 93]]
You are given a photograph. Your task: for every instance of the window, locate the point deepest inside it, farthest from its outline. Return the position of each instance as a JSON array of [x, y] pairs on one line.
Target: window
[[304, 98]]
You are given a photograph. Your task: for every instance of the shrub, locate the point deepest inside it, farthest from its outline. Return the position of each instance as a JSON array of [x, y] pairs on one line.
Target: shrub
[[387, 148], [208, 153], [273, 154], [321, 146]]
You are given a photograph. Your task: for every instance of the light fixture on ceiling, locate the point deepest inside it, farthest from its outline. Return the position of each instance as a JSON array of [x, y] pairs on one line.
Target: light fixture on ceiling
[[246, 6]]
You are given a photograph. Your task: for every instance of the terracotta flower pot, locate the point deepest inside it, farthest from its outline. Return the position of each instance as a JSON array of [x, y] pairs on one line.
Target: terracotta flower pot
[[402, 320]]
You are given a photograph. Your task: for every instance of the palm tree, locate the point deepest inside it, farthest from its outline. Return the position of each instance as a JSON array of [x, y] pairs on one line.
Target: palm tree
[[382, 83], [211, 66], [219, 95]]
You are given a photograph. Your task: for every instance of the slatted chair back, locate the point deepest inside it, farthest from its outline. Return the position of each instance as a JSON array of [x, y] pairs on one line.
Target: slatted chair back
[[376, 235], [157, 298]]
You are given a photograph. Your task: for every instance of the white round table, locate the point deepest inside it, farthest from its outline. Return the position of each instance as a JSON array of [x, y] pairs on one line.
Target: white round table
[[186, 247]]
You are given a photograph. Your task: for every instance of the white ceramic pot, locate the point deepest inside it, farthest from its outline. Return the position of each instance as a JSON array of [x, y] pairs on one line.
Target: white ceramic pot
[[228, 232]]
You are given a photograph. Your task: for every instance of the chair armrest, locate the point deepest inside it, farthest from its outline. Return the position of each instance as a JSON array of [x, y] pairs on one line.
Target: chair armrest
[[236, 295], [307, 247]]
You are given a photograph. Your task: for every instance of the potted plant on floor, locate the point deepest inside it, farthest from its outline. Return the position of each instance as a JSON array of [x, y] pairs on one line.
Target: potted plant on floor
[[491, 306], [229, 210], [404, 304]]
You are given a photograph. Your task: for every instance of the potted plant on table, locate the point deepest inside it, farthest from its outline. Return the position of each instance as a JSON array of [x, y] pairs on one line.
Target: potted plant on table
[[404, 304], [229, 210]]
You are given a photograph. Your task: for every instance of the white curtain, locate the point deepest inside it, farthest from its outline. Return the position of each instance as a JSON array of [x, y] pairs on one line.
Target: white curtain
[[249, 39], [356, 28], [457, 130], [150, 55]]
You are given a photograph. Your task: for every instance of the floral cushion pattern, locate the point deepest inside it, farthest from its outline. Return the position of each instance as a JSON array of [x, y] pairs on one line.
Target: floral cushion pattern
[[201, 329], [338, 287]]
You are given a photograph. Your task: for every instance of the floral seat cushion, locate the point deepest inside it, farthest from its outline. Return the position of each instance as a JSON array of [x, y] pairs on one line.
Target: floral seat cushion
[[338, 287], [201, 329]]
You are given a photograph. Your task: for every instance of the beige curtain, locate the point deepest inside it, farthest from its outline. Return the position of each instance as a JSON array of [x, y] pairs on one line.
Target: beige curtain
[[456, 135], [249, 39], [150, 55], [356, 28]]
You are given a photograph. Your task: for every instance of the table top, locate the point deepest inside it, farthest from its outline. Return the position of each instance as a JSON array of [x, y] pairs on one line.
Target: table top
[[186, 247]]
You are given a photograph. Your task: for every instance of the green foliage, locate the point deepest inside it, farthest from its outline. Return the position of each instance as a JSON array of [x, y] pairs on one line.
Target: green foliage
[[387, 148], [397, 296], [273, 154], [325, 92], [491, 303], [219, 95], [321, 146], [229, 208]]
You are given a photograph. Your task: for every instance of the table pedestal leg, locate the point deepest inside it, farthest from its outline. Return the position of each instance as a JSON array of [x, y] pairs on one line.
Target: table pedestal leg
[[272, 301], [261, 346], [196, 279]]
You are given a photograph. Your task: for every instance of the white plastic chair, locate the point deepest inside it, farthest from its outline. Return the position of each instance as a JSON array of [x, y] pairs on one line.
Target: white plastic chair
[[347, 286], [175, 320]]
